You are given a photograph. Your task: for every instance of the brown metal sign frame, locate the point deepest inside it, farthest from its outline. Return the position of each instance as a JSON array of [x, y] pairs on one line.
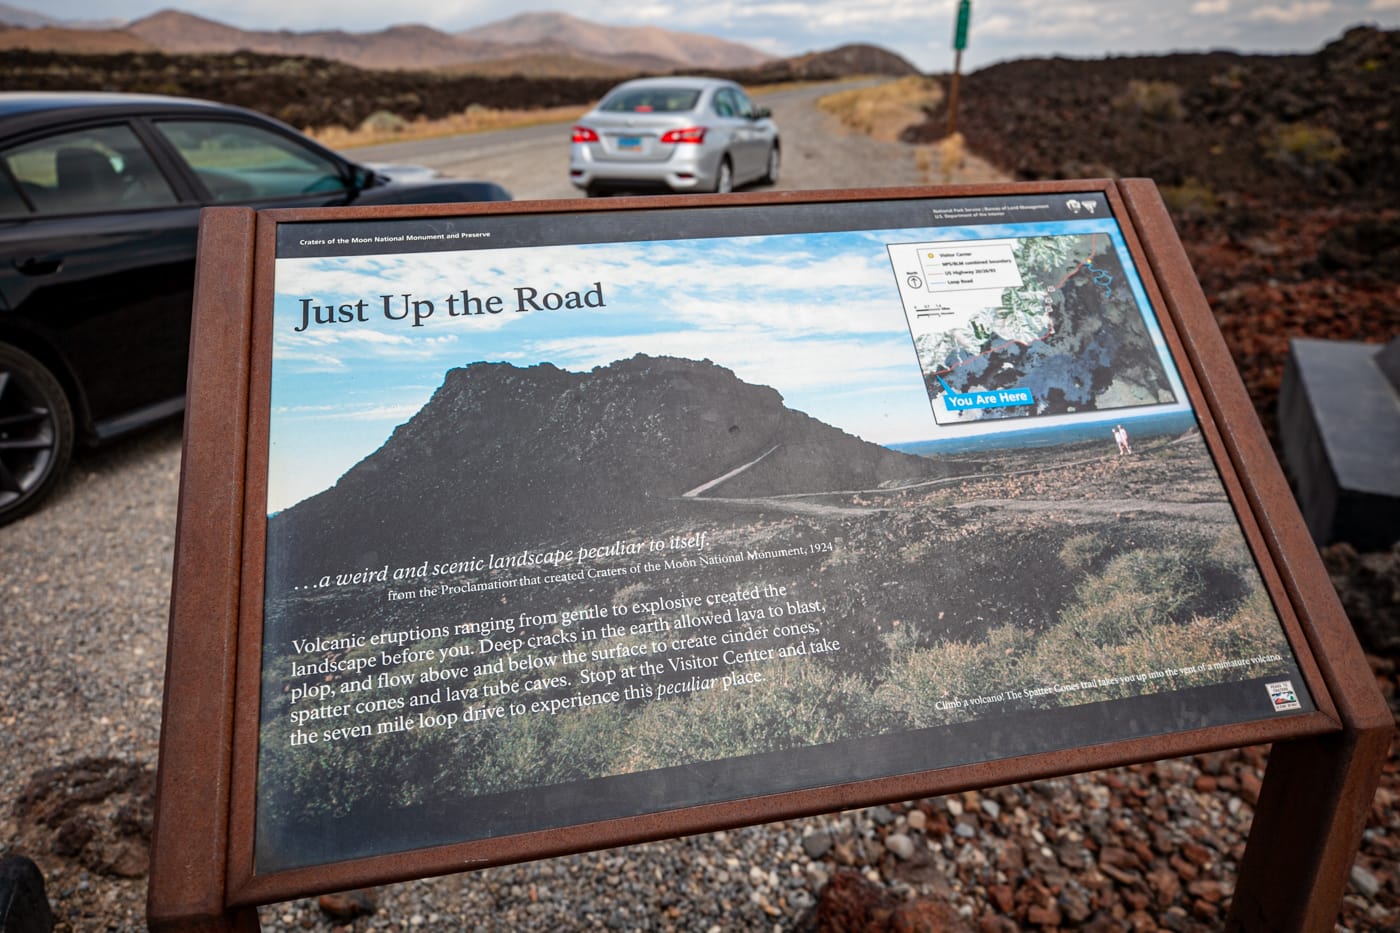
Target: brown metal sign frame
[[1324, 766]]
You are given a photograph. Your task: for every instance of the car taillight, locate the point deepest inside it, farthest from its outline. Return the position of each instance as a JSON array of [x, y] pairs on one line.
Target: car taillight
[[583, 134], [691, 134]]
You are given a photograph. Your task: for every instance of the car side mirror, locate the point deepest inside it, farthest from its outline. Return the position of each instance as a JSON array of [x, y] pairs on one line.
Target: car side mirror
[[763, 113], [358, 178]]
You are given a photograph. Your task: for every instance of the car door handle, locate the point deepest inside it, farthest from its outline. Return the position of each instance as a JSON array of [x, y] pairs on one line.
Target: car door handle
[[39, 265]]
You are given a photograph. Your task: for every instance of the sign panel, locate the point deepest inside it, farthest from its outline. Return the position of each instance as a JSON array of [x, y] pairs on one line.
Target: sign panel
[[580, 517]]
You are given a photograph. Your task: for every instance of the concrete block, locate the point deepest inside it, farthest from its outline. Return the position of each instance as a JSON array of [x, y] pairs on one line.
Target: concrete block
[[1339, 423]]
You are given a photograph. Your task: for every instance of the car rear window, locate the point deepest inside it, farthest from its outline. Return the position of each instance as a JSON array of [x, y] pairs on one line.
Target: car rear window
[[88, 171], [652, 100]]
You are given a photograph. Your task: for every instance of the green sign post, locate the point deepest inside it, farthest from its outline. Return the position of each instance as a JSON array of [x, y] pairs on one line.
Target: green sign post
[[959, 43]]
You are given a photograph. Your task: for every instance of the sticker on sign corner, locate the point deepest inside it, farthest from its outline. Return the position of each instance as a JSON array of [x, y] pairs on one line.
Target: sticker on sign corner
[[1282, 696]]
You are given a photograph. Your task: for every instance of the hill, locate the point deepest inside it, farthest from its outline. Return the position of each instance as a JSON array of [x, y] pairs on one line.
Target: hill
[[24, 19], [72, 41], [680, 49], [612, 448], [853, 59], [397, 47], [526, 38]]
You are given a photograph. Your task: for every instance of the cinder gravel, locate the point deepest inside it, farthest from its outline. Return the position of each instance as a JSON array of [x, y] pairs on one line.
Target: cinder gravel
[[83, 600]]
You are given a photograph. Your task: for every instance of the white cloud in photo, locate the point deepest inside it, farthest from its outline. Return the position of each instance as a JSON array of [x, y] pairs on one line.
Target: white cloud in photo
[[395, 413], [1210, 7]]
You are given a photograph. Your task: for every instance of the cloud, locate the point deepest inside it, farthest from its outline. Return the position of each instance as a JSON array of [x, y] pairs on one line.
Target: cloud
[[328, 349], [1293, 12], [395, 413], [1210, 7]]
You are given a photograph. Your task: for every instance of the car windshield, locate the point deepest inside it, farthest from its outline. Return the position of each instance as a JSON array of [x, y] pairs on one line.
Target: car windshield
[[652, 100]]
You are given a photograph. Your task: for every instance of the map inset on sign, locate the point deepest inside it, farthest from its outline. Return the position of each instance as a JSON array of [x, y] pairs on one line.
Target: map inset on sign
[[1044, 325]]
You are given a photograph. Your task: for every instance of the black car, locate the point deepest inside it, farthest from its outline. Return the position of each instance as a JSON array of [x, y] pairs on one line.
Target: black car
[[100, 197]]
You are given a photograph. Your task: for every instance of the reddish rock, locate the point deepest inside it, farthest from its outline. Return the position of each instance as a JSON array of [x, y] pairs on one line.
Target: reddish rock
[[1127, 878], [1137, 900], [851, 904], [1197, 854], [1165, 884], [347, 905], [1207, 890], [1204, 910], [927, 915], [1141, 922], [1184, 868], [126, 858], [1250, 785], [1010, 857], [1075, 905]]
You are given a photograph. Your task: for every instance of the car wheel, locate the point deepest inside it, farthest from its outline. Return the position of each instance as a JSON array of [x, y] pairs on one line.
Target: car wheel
[[774, 165], [36, 433], [724, 180]]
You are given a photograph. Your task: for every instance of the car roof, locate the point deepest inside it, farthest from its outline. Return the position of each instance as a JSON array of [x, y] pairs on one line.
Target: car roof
[[14, 103]]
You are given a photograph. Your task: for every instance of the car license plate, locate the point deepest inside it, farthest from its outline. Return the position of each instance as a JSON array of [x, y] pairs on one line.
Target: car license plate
[[629, 143]]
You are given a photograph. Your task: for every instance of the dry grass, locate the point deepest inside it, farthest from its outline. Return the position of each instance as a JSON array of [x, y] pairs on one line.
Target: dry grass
[[884, 111], [387, 128]]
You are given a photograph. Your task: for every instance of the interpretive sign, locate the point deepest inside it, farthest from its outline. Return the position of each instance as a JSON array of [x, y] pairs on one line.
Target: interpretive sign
[[663, 516]]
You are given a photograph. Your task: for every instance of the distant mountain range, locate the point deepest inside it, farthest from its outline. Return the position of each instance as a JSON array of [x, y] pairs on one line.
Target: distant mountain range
[[528, 36]]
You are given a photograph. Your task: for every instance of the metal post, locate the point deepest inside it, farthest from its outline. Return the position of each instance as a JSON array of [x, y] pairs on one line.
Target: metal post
[[953, 93], [959, 43]]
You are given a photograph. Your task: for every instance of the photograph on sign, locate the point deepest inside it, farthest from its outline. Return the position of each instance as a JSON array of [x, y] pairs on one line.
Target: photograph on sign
[[573, 518]]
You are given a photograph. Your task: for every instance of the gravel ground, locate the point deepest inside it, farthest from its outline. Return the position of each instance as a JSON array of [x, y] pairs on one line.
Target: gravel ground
[[82, 631], [86, 590]]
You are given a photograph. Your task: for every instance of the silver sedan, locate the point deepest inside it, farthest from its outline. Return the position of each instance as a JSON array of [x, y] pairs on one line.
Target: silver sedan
[[677, 134]]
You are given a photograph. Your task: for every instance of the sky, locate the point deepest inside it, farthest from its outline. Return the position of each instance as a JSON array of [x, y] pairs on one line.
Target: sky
[[920, 30], [817, 317]]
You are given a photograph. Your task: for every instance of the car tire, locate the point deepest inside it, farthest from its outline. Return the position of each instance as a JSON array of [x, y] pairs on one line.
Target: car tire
[[724, 177], [775, 164], [36, 433]]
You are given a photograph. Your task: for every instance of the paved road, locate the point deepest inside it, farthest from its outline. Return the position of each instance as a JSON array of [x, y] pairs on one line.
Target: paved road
[[533, 162]]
